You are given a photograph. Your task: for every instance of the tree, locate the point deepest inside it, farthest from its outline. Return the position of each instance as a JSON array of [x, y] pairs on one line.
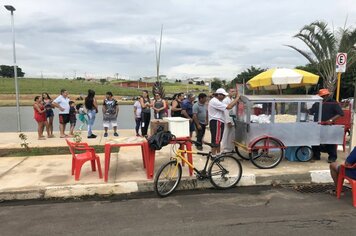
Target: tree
[[246, 75], [215, 84], [324, 44], [8, 71], [103, 81]]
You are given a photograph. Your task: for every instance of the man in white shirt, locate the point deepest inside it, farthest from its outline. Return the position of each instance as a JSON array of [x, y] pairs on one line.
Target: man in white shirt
[[216, 112], [62, 103], [229, 129]]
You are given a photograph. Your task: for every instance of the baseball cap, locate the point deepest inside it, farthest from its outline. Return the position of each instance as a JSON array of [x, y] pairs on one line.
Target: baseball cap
[[221, 91], [323, 92]]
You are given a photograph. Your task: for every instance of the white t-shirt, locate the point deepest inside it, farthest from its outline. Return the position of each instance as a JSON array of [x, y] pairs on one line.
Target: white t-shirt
[[227, 100], [64, 103], [216, 110], [138, 109]]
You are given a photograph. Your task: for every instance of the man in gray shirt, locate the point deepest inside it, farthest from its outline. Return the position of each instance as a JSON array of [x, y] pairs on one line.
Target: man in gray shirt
[[200, 117]]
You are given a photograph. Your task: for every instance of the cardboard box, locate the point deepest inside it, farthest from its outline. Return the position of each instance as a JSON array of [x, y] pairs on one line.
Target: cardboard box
[[155, 123]]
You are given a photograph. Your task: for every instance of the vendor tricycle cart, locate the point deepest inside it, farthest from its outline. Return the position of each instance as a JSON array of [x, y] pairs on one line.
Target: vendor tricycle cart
[[267, 124]]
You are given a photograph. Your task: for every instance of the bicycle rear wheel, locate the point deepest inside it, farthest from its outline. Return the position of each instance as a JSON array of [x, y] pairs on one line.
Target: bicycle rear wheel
[[167, 178], [225, 172]]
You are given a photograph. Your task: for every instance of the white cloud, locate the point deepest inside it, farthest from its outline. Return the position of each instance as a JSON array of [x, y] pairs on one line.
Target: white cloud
[[201, 38]]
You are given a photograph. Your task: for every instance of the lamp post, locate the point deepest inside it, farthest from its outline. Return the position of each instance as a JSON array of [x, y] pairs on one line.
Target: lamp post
[[12, 9]]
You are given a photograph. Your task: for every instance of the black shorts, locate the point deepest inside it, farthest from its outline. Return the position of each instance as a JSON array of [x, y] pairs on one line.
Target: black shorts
[[63, 118], [216, 130]]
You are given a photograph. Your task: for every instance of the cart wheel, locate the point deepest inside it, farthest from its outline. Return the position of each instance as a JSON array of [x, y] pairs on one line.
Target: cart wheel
[[242, 153], [304, 153], [266, 153]]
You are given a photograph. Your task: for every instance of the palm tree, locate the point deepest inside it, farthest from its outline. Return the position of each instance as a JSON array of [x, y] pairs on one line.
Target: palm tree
[[324, 44], [158, 86]]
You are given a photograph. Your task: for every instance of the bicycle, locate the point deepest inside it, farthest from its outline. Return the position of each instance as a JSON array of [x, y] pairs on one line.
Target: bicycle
[[224, 171]]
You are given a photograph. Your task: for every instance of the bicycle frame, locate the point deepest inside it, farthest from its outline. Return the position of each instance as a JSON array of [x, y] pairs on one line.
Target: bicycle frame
[[181, 157]]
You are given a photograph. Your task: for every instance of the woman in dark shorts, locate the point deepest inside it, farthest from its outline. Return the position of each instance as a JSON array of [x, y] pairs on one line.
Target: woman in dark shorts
[[47, 103]]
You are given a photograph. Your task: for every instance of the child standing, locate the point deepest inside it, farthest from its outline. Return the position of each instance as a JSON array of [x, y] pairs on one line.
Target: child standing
[[72, 117], [81, 116], [110, 112]]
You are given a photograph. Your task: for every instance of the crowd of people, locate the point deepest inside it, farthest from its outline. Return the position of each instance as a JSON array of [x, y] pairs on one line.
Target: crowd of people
[[214, 111], [83, 108], [201, 111]]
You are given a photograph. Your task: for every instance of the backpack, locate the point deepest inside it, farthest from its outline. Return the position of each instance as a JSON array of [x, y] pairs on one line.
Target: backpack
[[160, 139]]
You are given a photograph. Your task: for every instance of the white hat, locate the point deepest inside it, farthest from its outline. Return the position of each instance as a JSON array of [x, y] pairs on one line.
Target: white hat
[[221, 91]]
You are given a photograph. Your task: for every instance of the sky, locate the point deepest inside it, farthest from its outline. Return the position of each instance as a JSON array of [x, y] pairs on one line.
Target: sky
[[206, 38]]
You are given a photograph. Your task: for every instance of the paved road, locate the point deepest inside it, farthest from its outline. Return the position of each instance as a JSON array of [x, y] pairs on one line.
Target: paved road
[[241, 211]]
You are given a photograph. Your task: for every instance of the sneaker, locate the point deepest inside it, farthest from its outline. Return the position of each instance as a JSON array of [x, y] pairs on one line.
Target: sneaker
[[200, 148], [92, 136], [116, 134], [105, 135]]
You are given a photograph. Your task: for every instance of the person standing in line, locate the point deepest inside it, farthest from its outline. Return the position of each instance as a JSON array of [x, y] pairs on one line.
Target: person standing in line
[[81, 115], [146, 112], [110, 112], [40, 117], [137, 115], [229, 130], [216, 113], [176, 109], [200, 117], [47, 102], [159, 106], [62, 103], [92, 108], [72, 117], [187, 111]]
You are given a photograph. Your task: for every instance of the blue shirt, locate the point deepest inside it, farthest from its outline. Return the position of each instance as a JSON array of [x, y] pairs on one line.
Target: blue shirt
[[351, 159], [188, 107]]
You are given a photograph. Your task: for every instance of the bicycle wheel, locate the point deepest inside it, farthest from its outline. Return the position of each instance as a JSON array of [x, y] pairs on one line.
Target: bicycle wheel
[[225, 172], [266, 153], [304, 153], [242, 153], [167, 178]]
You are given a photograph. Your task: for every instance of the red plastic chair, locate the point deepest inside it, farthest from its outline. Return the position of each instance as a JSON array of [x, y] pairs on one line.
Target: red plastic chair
[[79, 159], [346, 122], [340, 182]]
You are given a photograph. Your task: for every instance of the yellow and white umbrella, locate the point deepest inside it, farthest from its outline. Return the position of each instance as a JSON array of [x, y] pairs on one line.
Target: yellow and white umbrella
[[280, 78]]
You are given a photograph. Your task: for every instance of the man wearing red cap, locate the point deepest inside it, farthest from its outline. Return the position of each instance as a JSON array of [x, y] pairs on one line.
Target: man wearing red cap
[[331, 110]]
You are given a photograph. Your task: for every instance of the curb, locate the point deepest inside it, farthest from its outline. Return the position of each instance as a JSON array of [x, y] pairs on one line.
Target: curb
[[124, 188]]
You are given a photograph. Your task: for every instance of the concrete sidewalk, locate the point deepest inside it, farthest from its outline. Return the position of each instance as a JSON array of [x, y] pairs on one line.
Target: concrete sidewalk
[[41, 177]]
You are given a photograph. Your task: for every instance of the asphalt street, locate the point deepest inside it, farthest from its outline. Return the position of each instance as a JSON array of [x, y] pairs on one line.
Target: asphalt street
[[240, 211]]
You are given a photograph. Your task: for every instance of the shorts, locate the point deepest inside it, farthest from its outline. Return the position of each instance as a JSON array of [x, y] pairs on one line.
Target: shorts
[[109, 119], [40, 117], [216, 130], [73, 122], [63, 118], [49, 113]]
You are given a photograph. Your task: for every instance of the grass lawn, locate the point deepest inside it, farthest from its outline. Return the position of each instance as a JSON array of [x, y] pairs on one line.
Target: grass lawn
[[30, 87], [53, 86]]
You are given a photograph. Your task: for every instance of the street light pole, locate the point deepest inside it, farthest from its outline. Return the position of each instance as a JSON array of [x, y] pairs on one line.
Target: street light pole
[[12, 9]]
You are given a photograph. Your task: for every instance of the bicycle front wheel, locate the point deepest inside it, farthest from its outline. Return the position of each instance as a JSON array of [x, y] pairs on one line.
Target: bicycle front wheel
[[225, 172], [167, 178]]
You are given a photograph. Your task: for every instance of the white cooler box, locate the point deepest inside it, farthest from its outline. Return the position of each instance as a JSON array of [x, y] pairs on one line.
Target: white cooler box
[[178, 126]]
